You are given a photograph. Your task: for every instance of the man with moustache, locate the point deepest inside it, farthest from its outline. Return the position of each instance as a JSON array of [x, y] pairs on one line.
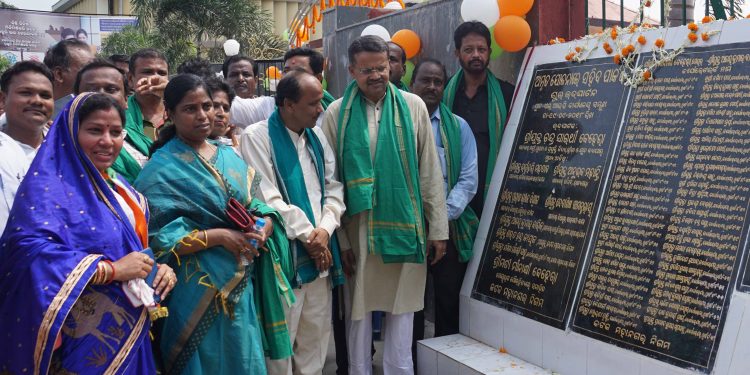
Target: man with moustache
[[397, 63], [376, 127], [476, 95], [458, 155], [26, 92], [240, 73], [65, 59], [297, 167], [148, 75]]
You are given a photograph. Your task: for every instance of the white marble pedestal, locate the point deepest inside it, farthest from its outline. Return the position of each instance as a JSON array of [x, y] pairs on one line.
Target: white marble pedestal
[[459, 355]]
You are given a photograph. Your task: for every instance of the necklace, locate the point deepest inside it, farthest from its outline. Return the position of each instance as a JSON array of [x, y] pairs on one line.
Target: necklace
[[210, 153]]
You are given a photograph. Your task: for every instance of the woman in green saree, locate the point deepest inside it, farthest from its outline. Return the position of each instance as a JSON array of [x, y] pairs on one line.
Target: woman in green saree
[[223, 314]]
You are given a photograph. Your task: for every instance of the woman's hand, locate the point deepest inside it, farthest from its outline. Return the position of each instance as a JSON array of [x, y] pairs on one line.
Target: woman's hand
[[164, 281], [135, 265], [239, 243]]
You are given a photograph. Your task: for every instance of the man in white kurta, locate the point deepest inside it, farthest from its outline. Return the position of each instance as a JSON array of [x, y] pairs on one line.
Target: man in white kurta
[[309, 319], [26, 91], [395, 288]]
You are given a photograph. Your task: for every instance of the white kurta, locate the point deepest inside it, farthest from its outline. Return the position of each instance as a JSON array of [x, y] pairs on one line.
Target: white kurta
[[15, 160], [396, 288], [255, 148]]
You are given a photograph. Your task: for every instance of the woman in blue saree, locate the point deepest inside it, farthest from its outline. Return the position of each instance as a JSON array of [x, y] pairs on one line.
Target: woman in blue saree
[[72, 251], [213, 325]]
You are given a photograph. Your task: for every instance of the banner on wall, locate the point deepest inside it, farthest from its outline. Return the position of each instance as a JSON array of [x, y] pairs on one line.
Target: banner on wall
[[26, 35]]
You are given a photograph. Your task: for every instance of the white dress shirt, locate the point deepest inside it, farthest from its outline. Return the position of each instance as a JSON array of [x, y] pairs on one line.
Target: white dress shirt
[[255, 148], [15, 160], [245, 112]]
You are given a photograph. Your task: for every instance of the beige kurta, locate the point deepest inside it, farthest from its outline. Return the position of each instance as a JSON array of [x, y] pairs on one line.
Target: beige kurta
[[395, 287]]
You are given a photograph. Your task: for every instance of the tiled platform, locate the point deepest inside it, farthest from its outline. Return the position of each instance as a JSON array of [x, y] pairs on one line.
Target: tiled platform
[[459, 355]]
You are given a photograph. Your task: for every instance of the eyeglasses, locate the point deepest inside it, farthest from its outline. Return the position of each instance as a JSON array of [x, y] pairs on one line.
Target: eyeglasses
[[368, 71]]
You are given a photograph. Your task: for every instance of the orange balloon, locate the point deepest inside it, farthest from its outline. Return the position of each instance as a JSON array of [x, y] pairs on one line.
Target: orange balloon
[[514, 7], [512, 33], [273, 72], [408, 40]]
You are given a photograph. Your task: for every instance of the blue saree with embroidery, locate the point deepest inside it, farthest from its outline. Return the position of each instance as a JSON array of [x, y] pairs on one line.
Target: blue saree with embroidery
[[223, 317], [66, 219]]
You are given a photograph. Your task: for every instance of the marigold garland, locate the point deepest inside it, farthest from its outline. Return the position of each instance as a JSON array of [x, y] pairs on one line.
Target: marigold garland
[[628, 40]]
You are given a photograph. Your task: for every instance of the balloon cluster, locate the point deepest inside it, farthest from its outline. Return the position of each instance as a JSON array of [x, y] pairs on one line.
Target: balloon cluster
[[505, 18]]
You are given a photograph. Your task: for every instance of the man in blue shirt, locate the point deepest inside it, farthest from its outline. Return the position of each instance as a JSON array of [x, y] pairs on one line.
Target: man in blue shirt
[[457, 152]]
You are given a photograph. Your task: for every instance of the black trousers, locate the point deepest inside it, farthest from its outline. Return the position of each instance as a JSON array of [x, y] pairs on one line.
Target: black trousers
[[447, 277], [339, 332]]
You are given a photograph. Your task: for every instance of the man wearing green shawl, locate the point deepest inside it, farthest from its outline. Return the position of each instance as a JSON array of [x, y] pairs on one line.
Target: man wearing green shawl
[[481, 99], [147, 75], [393, 189], [458, 153], [297, 167], [310, 61], [397, 62]]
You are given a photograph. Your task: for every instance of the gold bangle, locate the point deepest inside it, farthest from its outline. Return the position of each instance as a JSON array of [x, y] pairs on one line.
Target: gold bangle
[[96, 279], [205, 235]]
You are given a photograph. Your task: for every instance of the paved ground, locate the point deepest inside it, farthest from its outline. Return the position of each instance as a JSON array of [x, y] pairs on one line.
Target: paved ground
[[377, 363]]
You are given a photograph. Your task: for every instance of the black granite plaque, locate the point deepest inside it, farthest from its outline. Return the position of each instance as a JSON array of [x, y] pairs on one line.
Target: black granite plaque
[[533, 254], [674, 219]]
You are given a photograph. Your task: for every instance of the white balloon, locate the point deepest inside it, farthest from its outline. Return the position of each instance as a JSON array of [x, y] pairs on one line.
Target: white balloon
[[393, 5], [484, 11], [377, 30]]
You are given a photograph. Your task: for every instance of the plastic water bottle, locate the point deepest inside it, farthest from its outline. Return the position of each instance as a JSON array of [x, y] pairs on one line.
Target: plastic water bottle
[[257, 228]]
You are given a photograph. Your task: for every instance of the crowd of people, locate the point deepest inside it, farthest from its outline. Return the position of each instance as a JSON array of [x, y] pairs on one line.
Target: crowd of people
[[180, 224]]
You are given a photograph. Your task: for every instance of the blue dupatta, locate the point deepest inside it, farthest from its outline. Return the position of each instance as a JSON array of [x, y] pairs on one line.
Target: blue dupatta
[[213, 325], [65, 219]]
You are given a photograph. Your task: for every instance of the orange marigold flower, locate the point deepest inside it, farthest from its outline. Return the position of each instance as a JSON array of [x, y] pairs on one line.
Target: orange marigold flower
[[613, 33], [630, 48], [617, 59], [607, 48], [692, 27], [707, 19], [632, 28], [642, 40], [659, 43], [693, 37], [647, 75], [502, 350], [705, 37], [569, 56], [579, 49]]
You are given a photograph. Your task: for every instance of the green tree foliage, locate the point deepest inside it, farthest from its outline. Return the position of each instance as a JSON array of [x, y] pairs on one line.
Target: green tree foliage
[[4, 64], [133, 38], [206, 24], [4, 5]]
